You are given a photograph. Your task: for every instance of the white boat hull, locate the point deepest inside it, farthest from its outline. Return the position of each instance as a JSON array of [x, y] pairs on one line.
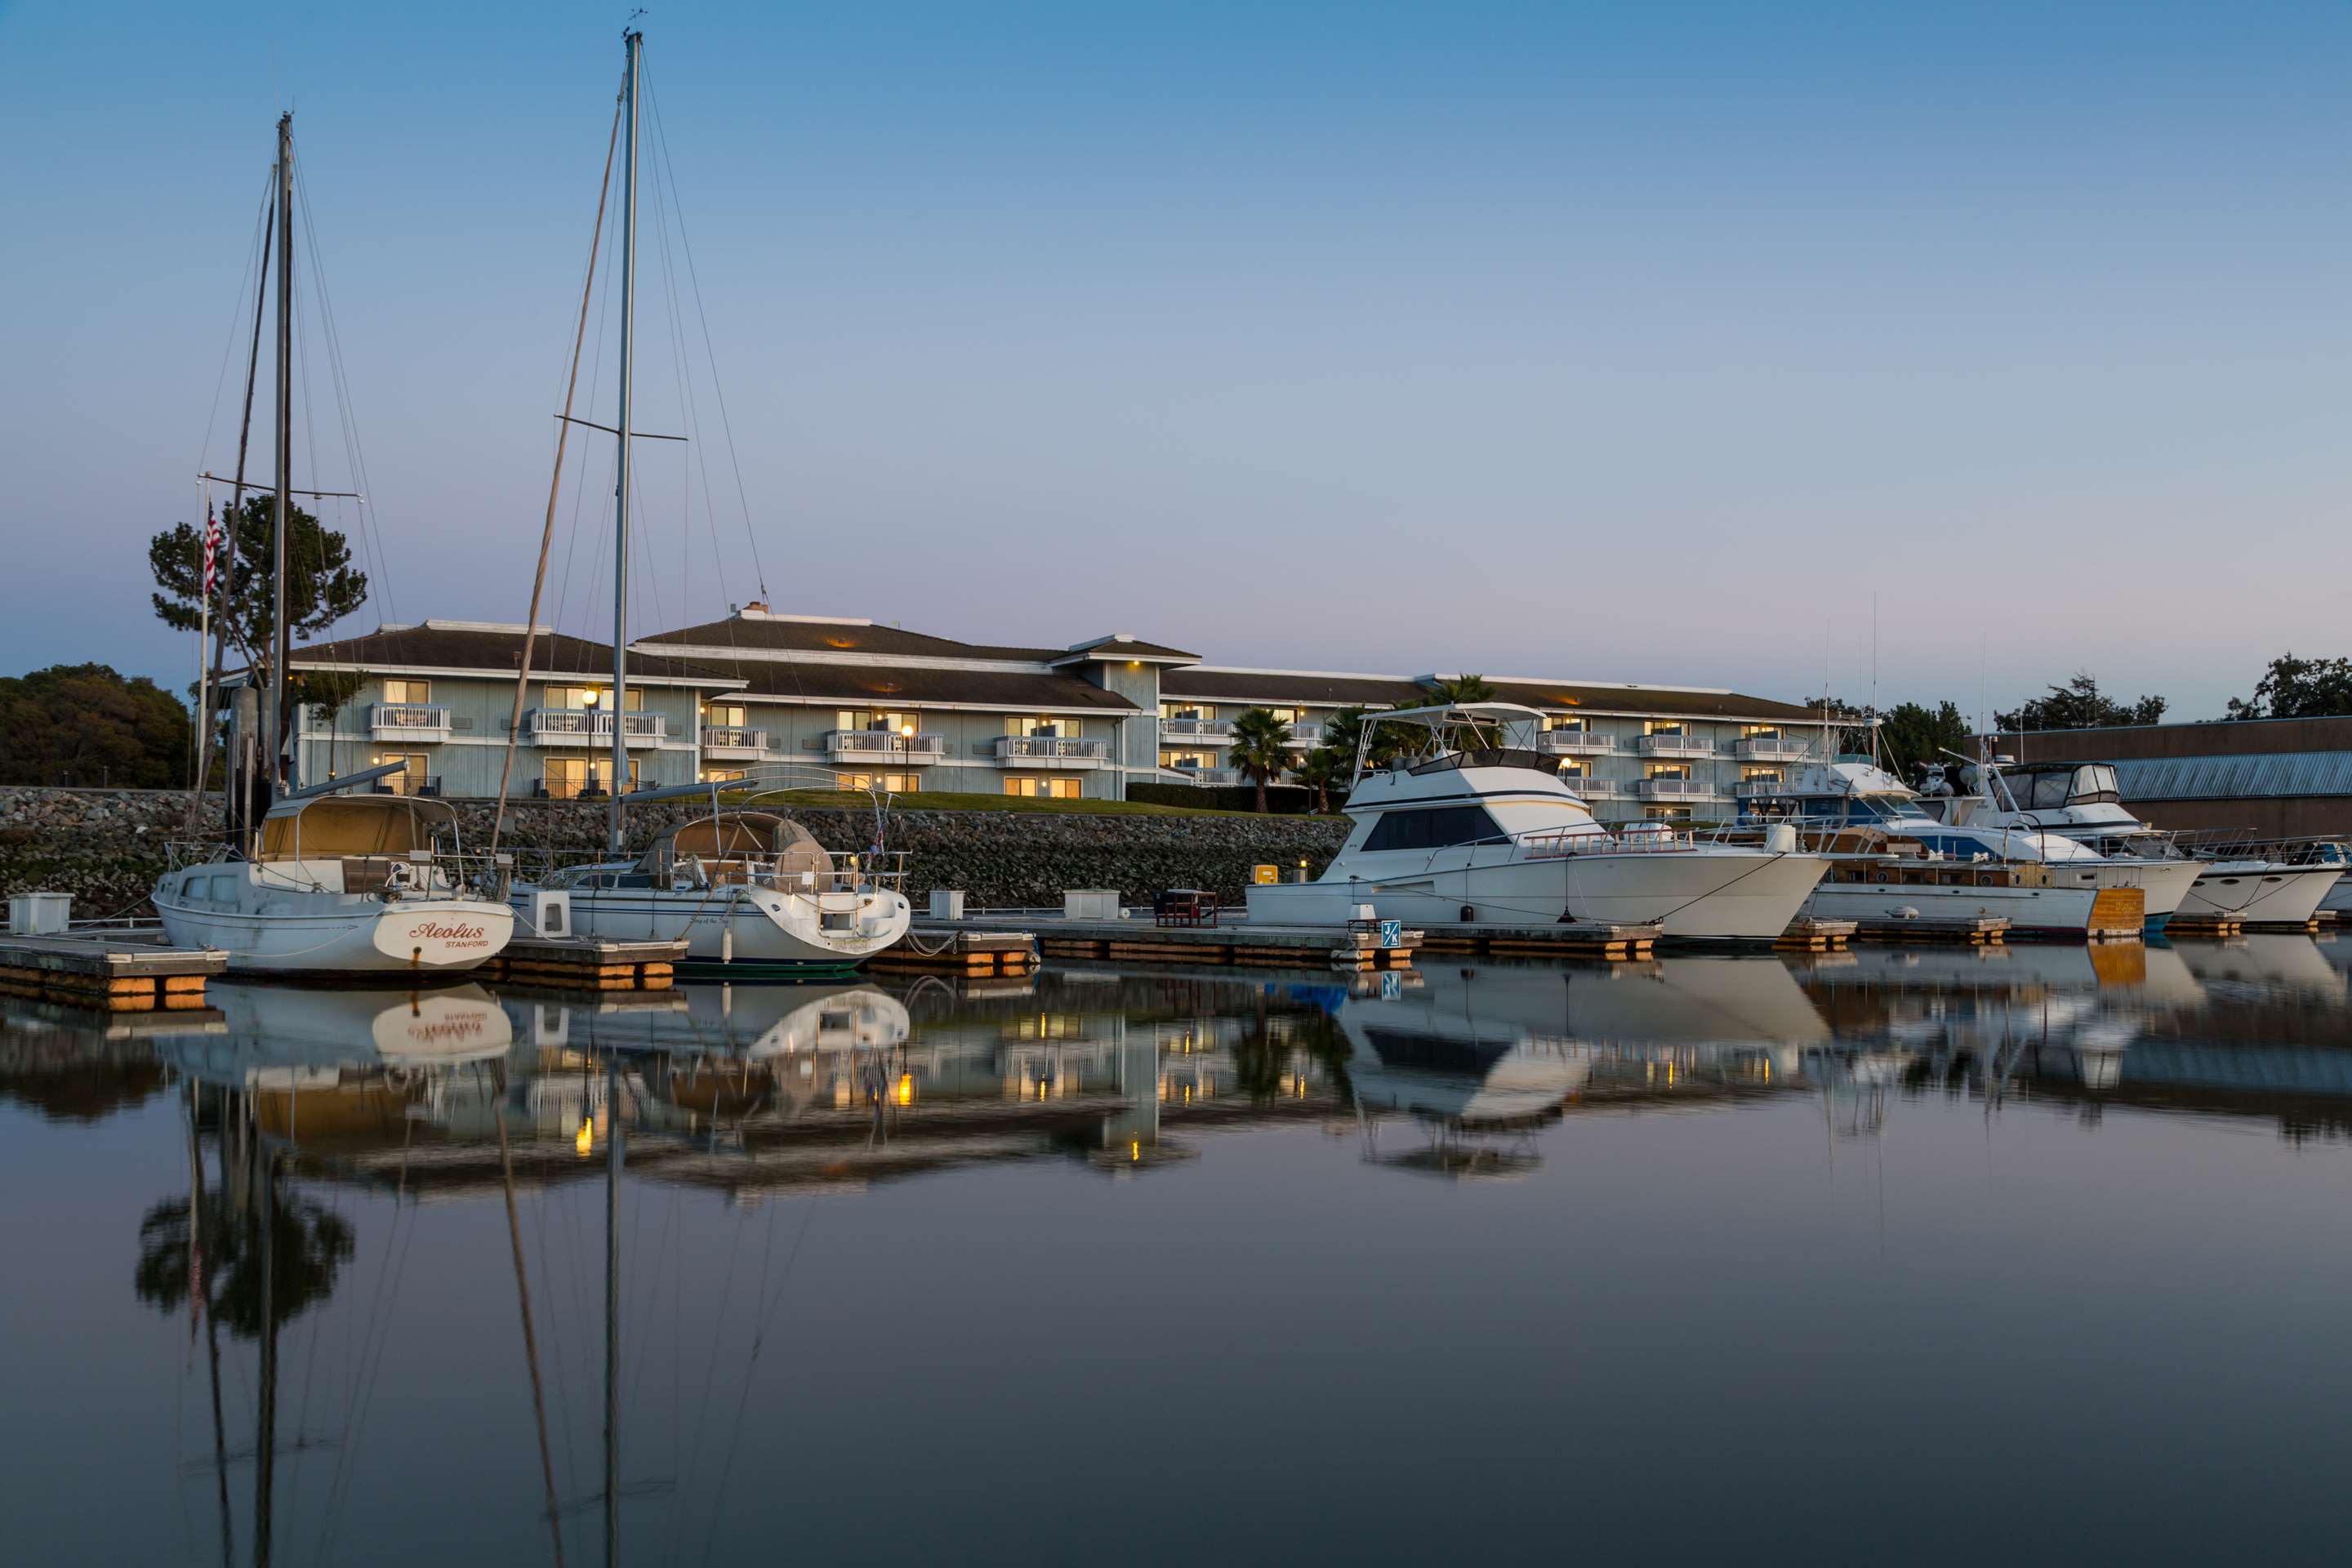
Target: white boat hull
[[2264, 891], [2056, 910], [337, 933], [1703, 895], [747, 926]]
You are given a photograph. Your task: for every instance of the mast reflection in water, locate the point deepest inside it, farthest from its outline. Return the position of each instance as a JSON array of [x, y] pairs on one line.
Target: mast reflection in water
[[496, 1276]]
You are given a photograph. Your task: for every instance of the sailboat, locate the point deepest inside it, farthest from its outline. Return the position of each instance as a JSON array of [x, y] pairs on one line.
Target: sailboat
[[751, 892], [330, 883]]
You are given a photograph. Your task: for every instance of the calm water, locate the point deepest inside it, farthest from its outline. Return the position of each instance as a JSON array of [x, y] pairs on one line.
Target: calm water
[[1918, 1255]]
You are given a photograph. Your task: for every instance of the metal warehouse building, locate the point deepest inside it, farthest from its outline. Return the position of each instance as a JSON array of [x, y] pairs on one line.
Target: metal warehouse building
[[2286, 778]]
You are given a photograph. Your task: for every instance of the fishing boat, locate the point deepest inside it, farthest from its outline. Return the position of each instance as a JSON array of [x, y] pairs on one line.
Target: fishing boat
[[1468, 828], [328, 883], [752, 893]]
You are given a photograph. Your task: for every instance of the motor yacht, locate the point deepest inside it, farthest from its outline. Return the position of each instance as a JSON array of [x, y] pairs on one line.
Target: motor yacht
[[1470, 829], [342, 884], [2081, 801], [750, 890], [1894, 855]]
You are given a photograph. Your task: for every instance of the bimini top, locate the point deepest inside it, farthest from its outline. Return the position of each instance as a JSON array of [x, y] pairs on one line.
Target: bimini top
[[1447, 715], [740, 835], [334, 827]]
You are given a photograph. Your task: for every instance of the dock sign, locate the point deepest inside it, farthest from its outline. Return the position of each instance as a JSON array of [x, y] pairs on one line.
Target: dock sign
[[1392, 932]]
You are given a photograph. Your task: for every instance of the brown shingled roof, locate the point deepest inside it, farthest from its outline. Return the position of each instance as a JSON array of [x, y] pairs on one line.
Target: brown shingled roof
[[1042, 691], [1385, 692], [431, 647], [1238, 686], [768, 635]]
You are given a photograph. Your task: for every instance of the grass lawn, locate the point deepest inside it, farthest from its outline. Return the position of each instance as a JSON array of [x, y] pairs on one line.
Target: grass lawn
[[944, 800]]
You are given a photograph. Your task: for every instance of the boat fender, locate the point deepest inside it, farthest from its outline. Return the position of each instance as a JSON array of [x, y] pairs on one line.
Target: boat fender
[[1906, 913], [1469, 915], [1780, 838]]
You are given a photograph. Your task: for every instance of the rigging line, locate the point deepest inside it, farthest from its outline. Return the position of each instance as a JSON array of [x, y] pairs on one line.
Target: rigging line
[[709, 1380], [529, 1340], [759, 1337], [339, 1497], [354, 453], [664, 207], [236, 320], [546, 544], [580, 473], [555, 1333], [661, 143]]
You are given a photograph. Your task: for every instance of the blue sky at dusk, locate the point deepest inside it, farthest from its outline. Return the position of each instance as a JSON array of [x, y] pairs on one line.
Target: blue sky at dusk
[[1630, 341]]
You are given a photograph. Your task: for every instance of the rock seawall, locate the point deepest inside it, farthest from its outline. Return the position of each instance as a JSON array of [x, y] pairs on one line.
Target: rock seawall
[[107, 847]]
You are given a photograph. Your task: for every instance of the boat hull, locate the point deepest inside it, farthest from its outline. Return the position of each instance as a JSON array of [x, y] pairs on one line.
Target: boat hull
[[2264, 892], [346, 935], [753, 931], [2056, 911], [1699, 894]]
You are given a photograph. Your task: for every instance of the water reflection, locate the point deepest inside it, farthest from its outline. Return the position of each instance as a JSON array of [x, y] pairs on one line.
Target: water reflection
[[325, 1144]]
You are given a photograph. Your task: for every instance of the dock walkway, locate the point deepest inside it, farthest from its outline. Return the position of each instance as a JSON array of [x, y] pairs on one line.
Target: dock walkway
[[114, 971]]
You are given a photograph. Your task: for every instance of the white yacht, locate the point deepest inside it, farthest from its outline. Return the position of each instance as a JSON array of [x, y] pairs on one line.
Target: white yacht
[[2080, 800], [1492, 834], [750, 890], [342, 884], [1895, 856]]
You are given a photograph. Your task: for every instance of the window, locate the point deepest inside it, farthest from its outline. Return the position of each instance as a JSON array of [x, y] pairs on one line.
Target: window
[[1289, 715], [1761, 776], [1573, 769], [568, 778], [724, 715], [896, 783], [1669, 771], [1202, 710], [720, 776], [590, 696], [1574, 723], [1043, 789], [1038, 724], [1759, 731], [1664, 727], [1435, 829], [407, 782], [405, 690], [1174, 759], [897, 721]]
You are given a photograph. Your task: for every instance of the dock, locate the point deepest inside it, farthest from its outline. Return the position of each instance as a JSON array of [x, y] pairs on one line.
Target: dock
[[1240, 943], [587, 963], [1817, 936], [975, 955], [114, 972], [1979, 930], [1567, 939]]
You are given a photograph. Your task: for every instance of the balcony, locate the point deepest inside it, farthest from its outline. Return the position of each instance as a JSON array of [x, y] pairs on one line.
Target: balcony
[[1305, 733], [1675, 789], [1768, 749], [407, 722], [1575, 743], [1590, 788], [583, 726], [1050, 752], [1208, 731], [733, 743], [1208, 777], [883, 746], [1675, 746], [1760, 789]]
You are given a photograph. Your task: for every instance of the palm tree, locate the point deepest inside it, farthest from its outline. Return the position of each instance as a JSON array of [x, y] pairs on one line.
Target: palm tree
[[1319, 770], [1457, 689], [1261, 748]]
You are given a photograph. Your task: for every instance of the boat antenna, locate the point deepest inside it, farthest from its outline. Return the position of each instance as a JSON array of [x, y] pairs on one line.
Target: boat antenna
[[633, 44]]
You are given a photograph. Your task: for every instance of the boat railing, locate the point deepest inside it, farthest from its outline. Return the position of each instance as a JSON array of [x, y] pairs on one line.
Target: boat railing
[[1633, 838], [404, 874]]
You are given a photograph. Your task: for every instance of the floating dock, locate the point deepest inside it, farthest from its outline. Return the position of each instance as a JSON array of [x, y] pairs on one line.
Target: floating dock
[[587, 963], [1817, 936], [1242, 942], [978, 954], [1979, 930], [1571, 938], [121, 973]]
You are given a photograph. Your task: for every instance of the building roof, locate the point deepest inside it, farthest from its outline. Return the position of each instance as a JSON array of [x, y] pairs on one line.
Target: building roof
[[2252, 774], [1321, 687], [1124, 645], [757, 631], [1043, 691], [483, 647], [2221, 738]]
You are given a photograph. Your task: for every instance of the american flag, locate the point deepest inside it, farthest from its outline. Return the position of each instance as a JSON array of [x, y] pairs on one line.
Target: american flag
[[211, 550]]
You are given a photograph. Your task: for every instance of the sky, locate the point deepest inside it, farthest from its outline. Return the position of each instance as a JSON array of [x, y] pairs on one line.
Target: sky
[[1665, 342]]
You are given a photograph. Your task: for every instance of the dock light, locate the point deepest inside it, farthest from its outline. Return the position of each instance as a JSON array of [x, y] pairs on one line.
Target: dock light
[[584, 1140], [905, 1089]]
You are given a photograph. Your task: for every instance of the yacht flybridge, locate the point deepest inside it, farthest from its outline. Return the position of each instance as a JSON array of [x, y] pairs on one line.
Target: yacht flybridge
[[2240, 881], [358, 884], [1946, 857], [1471, 828]]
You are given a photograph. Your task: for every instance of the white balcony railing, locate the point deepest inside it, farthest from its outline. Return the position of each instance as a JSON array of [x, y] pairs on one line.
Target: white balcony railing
[[1210, 730], [1209, 776], [1588, 787], [1675, 746], [569, 726], [1050, 752], [733, 743], [1575, 743], [1768, 749], [1304, 733], [887, 745], [1752, 789], [1675, 789], [408, 722]]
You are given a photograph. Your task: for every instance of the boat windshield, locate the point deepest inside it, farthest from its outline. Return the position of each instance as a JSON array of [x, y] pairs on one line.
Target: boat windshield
[[1863, 808]]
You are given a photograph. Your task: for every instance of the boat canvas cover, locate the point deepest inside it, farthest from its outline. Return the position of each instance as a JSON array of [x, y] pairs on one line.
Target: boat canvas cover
[[337, 826], [741, 836]]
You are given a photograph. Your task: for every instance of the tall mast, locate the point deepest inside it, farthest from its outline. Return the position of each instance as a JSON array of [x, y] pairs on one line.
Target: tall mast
[[633, 41], [275, 722]]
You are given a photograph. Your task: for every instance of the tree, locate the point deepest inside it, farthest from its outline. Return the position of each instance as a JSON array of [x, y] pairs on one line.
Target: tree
[[1457, 689], [1261, 748], [85, 724], [2298, 688], [1911, 733], [2080, 705], [329, 692], [321, 588], [1319, 770], [1343, 732], [308, 1247]]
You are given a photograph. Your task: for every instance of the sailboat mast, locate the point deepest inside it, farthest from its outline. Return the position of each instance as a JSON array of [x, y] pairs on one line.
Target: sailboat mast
[[278, 641], [633, 41]]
